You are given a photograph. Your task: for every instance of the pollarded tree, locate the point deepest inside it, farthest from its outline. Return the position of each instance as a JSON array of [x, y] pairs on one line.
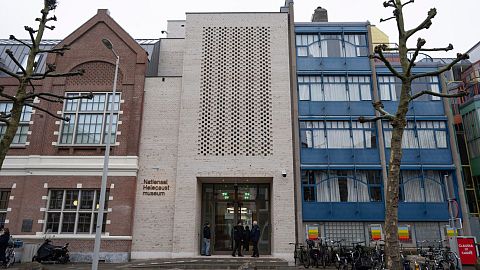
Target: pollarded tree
[[25, 93], [398, 120]]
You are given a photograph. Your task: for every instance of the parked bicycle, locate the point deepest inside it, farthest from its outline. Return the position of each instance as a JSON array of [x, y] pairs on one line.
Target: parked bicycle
[[300, 252]]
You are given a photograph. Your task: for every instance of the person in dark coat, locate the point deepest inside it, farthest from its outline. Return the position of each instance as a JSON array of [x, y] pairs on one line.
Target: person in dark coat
[[238, 237], [4, 239], [206, 240], [255, 237], [246, 239]]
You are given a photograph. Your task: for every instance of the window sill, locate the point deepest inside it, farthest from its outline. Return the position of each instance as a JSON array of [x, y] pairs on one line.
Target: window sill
[[83, 146], [18, 146]]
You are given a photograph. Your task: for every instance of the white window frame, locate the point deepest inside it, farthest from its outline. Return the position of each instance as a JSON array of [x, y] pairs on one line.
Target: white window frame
[[23, 125], [105, 114], [93, 211]]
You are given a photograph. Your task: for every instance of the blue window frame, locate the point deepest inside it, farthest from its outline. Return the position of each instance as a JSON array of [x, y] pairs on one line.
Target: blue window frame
[[334, 88], [337, 134], [332, 45], [342, 186], [419, 134], [390, 87], [418, 186]]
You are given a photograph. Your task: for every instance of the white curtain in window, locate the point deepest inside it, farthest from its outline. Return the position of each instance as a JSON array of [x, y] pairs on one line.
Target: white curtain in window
[[316, 92], [433, 191], [354, 91], [426, 138], [384, 91], [303, 92], [362, 188], [324, 48], [358, 139], [441, 138], [314, 50], [366, 93], [319, 139], [387, 135], [338, 139], [327, 190], [409, 139], [335, 92], [412, 188], [302, 51], [334, 189], [308, 134]]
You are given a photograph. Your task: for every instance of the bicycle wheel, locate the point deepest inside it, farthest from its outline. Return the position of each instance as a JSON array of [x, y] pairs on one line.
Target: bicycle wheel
[[295, 256], [305, 259]]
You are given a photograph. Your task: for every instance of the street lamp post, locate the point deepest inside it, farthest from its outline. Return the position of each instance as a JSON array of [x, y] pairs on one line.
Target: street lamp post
[[103, 189]]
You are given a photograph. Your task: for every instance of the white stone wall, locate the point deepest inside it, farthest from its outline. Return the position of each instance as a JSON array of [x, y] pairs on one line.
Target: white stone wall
[[153, 222], [176, 28], [191, 166], [171, 57]]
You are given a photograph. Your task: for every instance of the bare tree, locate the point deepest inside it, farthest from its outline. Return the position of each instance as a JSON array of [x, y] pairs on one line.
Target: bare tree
[[25, 93], [398, 120]]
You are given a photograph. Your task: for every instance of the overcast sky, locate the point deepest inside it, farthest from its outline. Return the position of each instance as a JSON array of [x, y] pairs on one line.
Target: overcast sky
[[456, 21]]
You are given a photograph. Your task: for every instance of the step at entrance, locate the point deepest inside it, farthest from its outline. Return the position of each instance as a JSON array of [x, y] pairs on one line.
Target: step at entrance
[[246, 263]]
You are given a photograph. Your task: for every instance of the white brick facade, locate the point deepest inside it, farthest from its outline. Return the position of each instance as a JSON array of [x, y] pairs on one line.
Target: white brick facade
[[170, 225]]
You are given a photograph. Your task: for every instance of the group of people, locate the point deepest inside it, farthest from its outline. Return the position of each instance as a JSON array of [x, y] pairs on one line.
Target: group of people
[[241, 236]]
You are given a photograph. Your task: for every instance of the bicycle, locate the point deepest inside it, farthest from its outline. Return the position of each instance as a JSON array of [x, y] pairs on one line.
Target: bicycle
[[301, 254]]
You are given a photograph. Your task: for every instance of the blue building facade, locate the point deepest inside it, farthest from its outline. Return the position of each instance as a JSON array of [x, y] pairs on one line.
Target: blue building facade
[[344, 162]]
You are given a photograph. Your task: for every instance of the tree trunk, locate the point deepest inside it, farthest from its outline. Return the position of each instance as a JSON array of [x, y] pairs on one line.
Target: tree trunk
[[12, 128], [392, 246]]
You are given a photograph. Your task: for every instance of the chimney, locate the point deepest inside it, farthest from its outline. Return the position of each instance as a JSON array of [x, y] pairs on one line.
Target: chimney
[[320, 15]]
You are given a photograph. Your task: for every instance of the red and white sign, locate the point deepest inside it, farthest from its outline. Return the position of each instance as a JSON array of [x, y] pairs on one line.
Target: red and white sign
[[467, 250]]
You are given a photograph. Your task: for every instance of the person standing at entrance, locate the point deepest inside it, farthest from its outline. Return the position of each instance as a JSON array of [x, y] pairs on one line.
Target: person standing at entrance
[[238, 237], [206, 240], [246, 239], [255, 237]]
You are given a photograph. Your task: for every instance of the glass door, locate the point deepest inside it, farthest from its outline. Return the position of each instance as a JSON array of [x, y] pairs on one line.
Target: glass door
[[223, 205]]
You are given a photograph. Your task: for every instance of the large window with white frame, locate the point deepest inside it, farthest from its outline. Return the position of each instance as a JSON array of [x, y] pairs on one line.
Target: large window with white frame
[[22, 131], [342, 186], [334, 88], [390, 87], [331, 44], [419, 134], [421, 186], [4, 199], [337, 134], [89, 119], [73, 211]]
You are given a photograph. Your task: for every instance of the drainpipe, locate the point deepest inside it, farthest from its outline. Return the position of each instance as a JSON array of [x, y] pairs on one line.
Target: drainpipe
[[376, 98], [299, 228], [456, 159]]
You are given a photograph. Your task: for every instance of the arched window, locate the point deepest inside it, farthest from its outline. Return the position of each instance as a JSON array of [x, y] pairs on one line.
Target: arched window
[[418, 187]]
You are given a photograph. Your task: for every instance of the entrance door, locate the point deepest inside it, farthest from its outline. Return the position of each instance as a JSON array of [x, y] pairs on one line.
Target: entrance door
[[223, 205]]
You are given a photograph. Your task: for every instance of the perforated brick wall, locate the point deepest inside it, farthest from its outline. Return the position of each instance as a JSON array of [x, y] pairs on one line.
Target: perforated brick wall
[[235, 94], [96, 73]]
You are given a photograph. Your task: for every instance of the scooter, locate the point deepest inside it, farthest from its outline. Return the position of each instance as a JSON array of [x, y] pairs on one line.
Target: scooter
[[48, 253]]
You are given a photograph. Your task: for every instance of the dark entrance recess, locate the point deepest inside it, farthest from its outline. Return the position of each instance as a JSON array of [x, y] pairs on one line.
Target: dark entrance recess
[[223, 205]]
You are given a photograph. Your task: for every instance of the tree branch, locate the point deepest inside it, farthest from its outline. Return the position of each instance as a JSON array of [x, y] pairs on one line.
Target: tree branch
[[2, 69], [424, 25], [54, 75], [47, 112], [12, 37], [459, 58], [411, 1], [389, 3], [10, 54], [387, 19], [420, 43], [427, 92], [6, 95], [31, 31], [47, 96], [363, 119], [59, 51], [448, 48], [381, 57]]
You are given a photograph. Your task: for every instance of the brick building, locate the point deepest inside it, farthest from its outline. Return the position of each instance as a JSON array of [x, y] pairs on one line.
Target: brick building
[[50, 180]]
